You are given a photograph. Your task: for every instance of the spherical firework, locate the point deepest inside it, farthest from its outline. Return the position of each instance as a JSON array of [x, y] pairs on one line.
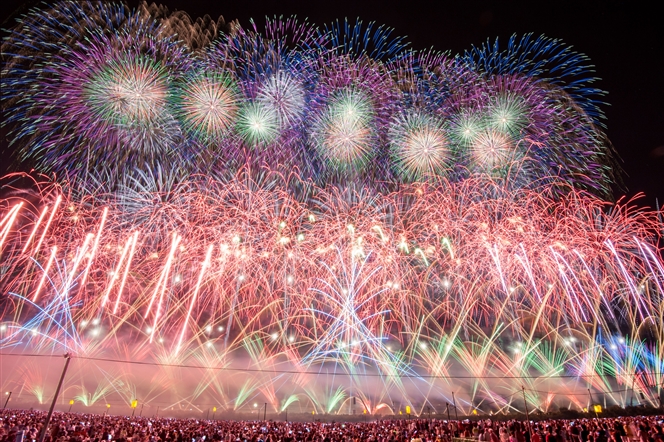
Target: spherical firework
[[492, 152], [420, 145], [465, 128], [507, 115], [284, 94], [258, 123], [343, 134], [207, 104], [114, 84], [130, 96], [131, 93]]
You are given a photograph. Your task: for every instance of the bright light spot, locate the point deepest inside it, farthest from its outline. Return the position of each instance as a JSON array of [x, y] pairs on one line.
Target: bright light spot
[[34, 332], [3, 327], [208, 329], [389, 348], [446, 283], [344, 291], [241, 277], [84, 323], [614, 347], [354, 343], [95, 332], [275, 336], [161, 340], [95, 321], [148, 330], [519, 344], [284, 240], [423, 345], [282, 224], [291, 338], [312, 218], [209, 344], [255, 405], [236, 239], [512, 289], [300, 237], [621, 340], [220, 328], [516, 350], [178, 278], [550, 286], [289, 279]]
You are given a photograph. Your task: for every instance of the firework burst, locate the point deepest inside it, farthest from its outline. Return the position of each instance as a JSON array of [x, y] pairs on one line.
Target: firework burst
[[420, 145]]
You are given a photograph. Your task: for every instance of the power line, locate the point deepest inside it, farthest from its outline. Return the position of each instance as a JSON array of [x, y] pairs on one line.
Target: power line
[[276, 371]]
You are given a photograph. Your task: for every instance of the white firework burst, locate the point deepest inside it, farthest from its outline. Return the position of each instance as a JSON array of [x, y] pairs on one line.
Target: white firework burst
[[283, 93]]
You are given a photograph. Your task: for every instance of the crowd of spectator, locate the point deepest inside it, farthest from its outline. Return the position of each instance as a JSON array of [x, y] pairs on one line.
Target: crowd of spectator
[[26, 425]]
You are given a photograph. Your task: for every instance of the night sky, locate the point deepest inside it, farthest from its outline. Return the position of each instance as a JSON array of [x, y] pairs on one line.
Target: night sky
[[625, 41]]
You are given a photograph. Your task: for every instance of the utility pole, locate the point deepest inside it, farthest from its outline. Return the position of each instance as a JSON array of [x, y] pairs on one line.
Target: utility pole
[[447, 407], [9, 394], [157, 413], [141, 413], [55, 398], [525, 403], [265, 411], [456, 414]]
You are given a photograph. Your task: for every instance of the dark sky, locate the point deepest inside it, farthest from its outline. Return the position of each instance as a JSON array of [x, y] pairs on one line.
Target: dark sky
[[625, 41]]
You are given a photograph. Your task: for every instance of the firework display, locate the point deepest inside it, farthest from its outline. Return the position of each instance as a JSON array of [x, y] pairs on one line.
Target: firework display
[[313, 215]]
